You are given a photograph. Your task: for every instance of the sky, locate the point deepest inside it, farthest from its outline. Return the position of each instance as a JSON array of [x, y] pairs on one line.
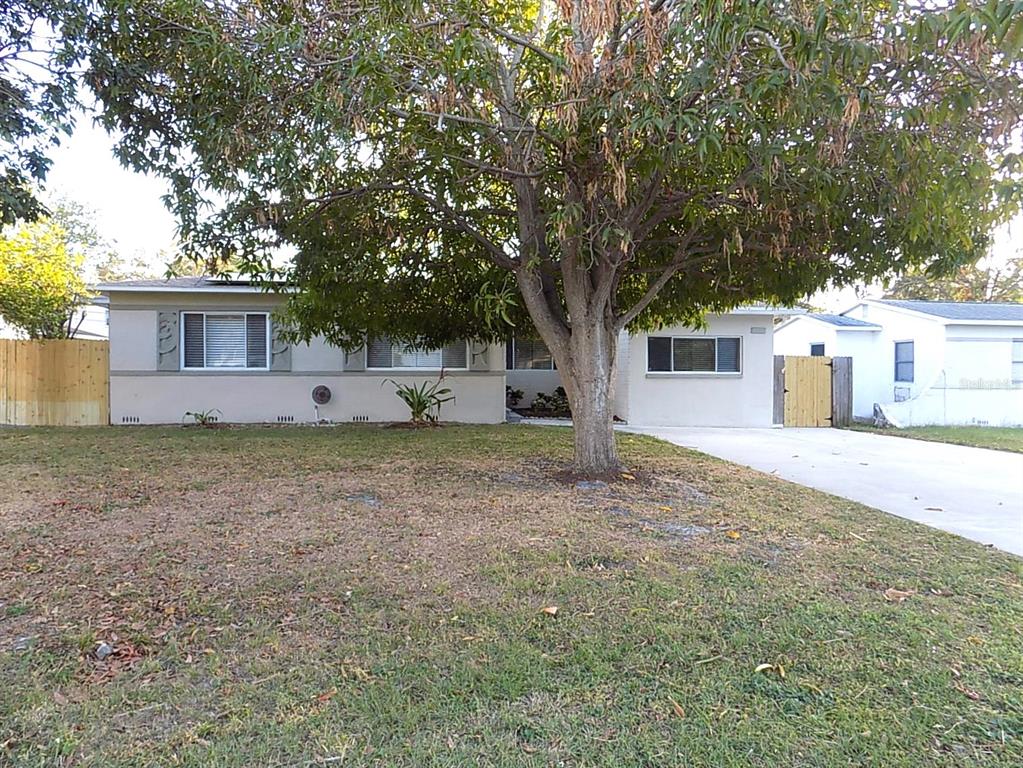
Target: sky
[[131, 214], [129, 211]]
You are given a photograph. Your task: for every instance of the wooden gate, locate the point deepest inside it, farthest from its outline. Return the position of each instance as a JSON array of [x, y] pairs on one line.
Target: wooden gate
[[806, 391], [54, 383]]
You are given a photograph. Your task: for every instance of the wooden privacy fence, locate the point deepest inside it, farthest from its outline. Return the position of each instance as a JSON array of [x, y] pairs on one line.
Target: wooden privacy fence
[[54, 383], [812, 391]]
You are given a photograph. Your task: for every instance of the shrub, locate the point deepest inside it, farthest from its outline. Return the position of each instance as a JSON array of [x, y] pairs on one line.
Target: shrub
[[424, 400], [512, 397], [553, 404]]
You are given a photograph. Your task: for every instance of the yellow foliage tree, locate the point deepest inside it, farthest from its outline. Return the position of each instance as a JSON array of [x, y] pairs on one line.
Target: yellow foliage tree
[[40, 281]]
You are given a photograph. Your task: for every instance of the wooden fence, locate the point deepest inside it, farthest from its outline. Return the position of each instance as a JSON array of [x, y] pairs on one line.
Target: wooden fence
[[812, 391], [54, 383]]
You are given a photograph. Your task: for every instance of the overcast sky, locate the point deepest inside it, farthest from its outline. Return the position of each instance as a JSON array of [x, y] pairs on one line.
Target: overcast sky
[[131, 213]]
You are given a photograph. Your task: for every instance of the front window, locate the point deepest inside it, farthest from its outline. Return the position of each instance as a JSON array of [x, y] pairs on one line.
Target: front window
[[693, 354], [385, 354], [904, 361], [1017, 362], [529, 355], [816, 350], [225, 340]]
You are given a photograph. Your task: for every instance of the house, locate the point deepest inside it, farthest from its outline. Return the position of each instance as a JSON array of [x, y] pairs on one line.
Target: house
[[922, 362], [719, 375], [195, 344]]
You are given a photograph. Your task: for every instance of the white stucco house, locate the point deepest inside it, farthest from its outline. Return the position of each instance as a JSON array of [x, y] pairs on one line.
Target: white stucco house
[[195, 344], [922, 362]]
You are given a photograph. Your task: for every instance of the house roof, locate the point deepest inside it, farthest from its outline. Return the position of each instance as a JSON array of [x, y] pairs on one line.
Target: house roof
[[972, 311], [842, 321], [181, 285]]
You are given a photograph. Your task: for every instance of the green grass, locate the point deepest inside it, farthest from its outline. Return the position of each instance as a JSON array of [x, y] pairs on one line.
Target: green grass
[[997, 438], [363, 596]]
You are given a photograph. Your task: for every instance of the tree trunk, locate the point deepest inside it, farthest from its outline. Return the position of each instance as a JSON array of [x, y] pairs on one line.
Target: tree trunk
[[589, 380]]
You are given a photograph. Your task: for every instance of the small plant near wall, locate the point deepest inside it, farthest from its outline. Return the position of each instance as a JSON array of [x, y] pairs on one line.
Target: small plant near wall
[[208, 419], [555, 404], [424, 400], [512, 397]]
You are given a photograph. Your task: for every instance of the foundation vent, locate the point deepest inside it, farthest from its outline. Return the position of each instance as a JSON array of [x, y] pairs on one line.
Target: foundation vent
[[130, 420], [285, 419], [360, 418]]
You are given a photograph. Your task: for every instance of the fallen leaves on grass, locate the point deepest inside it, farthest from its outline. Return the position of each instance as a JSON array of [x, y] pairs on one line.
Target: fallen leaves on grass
[[678, 708], [733, 534], [771, 668], [550, 610], [893, 595]]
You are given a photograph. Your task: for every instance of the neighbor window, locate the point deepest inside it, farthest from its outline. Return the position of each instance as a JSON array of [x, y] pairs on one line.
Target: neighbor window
[[383, 353], [529, 355], [1017, 361], [223, 340], [693, 354], [816, 350], [904, 361]]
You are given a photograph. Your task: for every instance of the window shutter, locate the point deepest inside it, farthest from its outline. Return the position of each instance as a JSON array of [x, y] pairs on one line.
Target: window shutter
[[378, 354], [454, 355], [168, 337], [255, 341], [728, 355], [693, 355], [658, 353], [195, 343]]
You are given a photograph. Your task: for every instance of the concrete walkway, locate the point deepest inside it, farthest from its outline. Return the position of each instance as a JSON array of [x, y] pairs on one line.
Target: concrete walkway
[[972, 492]]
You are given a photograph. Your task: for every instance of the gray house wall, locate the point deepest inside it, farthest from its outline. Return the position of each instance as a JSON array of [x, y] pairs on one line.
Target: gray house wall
[[140, 392]]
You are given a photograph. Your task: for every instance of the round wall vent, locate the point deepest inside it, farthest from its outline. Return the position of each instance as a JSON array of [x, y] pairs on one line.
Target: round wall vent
[[321, 395]]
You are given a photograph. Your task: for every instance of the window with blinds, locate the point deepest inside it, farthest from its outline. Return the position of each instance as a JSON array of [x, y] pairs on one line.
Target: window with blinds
[[383, 353], [529, 355], [693, 354], [224, 340]]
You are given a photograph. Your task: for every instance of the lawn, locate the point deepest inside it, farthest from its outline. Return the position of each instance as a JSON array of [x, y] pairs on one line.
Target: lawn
[[365, 596], [998, 438]]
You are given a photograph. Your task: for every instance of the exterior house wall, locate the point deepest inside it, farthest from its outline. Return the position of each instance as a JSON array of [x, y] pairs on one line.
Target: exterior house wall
[[796, 336], [706, 399], [532, 382], [139, 393]]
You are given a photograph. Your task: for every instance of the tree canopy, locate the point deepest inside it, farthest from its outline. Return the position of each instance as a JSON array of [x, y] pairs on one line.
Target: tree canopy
[[39, 57], [580, 165], [40, 281], [984, 281]]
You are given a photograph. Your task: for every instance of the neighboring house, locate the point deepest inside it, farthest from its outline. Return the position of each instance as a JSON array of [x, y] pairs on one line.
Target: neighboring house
[[194, 344], [721, 375], [923, 362], [89, 322]]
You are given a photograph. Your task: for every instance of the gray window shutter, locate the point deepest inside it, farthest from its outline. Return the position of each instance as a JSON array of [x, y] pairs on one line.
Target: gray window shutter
[[167, 341], [280, 350], [479, 356], [356, 359]]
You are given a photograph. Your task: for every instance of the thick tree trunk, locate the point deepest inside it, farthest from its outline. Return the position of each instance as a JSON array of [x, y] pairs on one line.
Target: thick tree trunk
[[588, 376]]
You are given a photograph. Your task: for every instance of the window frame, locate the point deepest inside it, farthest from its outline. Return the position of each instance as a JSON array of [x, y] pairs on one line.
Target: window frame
[[715, 372], [415, 368], [223, 313], [510, 354], [896, 362], [1014, 361]]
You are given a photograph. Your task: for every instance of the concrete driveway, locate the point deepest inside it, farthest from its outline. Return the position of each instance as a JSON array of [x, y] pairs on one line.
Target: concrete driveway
[[972, 492]]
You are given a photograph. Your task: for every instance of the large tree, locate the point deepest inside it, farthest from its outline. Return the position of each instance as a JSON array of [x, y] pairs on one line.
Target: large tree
[[583, 166]]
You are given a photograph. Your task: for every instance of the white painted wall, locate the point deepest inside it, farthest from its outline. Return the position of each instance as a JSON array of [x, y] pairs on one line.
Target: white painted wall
[[705, 399], [795, 336]]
